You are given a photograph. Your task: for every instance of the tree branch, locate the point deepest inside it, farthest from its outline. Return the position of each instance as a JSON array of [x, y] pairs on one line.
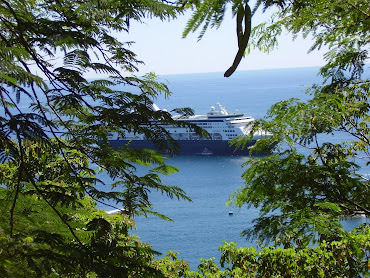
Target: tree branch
[[243, 37]]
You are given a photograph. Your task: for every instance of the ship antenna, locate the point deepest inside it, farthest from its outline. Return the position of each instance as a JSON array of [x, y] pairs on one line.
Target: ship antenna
[[222, 109]]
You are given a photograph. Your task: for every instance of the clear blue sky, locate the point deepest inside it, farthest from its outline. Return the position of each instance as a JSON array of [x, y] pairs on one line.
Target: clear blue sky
[[161, 46]]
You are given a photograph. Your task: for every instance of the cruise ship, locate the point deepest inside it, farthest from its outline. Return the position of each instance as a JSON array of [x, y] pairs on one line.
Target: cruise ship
[[221, 126]]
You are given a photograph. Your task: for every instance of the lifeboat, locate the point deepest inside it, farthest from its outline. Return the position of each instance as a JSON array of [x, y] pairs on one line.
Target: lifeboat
[[217, 136]]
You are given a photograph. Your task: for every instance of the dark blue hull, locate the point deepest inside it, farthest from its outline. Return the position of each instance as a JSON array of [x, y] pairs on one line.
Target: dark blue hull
[[190, 147]]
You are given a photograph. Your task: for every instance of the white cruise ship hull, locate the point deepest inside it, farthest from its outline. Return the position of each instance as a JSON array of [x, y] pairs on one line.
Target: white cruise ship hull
[[221, 126]]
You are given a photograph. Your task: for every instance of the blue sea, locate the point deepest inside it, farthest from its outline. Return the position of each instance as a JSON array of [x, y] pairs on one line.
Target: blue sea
[[201, 226]]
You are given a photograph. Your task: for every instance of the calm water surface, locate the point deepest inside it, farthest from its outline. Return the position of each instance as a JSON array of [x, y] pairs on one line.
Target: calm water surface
[[200, 226]]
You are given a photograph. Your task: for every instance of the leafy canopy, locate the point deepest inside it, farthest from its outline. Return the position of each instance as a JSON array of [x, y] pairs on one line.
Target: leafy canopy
[[306, 172], [321, 147], [317, 170], [54, 130]]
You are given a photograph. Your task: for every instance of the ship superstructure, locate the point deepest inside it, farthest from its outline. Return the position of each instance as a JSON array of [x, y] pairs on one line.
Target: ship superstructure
[[221, 126]]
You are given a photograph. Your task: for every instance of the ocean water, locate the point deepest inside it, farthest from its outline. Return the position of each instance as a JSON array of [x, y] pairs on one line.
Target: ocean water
[[202, 225]]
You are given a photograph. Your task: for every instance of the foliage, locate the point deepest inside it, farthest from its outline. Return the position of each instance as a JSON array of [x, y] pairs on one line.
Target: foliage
[[313, 177], [317, 169], [345, 257], [41, 244], [54, 130], [51, 228], [309, 180], [171, 266], [342, 26], [55, 124]]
